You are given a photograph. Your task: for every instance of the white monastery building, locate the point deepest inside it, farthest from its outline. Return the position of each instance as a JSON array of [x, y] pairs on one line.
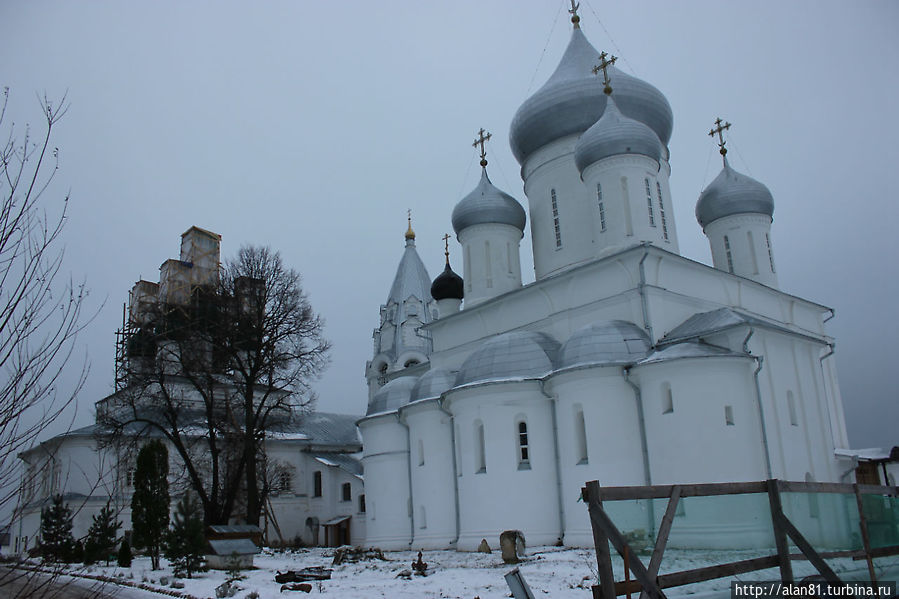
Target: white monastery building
[[623, 362]]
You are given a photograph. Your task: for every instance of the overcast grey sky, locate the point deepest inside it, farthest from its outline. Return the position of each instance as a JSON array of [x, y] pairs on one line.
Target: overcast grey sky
[[312, 127]]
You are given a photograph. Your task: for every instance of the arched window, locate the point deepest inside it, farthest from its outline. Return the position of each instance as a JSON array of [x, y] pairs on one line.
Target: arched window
[[730, 258], [523, 448], [770, 253], [667, 399], [346, 492], [317, 483], [729, 415], [362, 503], [755, 261], [412, 362], [791, 406], [422, 517], [602, 208], [480, 450], [652, 219], [662, 211], [556, 227], [580, 436], [421, 452]]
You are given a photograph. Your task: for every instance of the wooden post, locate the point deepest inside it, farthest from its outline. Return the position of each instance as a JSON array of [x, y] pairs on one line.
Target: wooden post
[[780, 536], [627, 571], [606, 588], [863, 525], [662, 539]]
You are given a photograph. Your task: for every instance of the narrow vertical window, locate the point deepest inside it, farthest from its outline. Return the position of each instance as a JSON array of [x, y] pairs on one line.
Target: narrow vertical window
[[362, 503], [791, 406], [580, 437], [770, 253], [662, 211], [346, 492], [421, 452], [488, 265], [729, 415], [422, 517], [467, 266], [523, 455], [628, 218], [755, 262], [652, 220], [602, 209], [730, 258], [317, 483], [667, 399], [480, 456], [509, 257], [458, 463], [555, 207]]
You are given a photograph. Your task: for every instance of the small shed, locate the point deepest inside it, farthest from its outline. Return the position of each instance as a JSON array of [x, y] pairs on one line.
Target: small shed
[[337, 531], [232, 545]]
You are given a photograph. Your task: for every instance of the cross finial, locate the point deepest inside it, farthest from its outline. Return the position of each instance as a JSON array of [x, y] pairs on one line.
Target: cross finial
[[410, 234], [720, 127], [446, 239], [575, 20], [480, 141], [605, 61]]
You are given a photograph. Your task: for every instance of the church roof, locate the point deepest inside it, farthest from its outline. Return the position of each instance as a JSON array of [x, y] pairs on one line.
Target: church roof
[[411, 278], [572, 100], [606, 342], [690, 349], [392, 396], [716, 321], [345, 462], [515, 355], [433, 384], [615, 134], [733, 193], [487, 204]]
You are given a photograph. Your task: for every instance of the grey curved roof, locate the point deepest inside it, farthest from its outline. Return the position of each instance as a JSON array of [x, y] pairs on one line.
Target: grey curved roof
[[433, 384], [690, 349], [615, 134], [733, 193], [392, 396], [487, 204], [607, 342], [519, 354], [572, 100]]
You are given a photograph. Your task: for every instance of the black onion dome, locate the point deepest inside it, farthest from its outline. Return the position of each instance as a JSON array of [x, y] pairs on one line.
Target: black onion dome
[[447, 285]]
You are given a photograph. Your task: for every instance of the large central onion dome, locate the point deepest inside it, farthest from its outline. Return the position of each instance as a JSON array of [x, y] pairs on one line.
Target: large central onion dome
[[733, 193], [487, 204], [572, 100], [615, 134]]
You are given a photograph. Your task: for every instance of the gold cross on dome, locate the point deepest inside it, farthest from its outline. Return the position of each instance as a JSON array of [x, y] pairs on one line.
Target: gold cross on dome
[[573, 12], [605, 61], [720, 127], [480, 141]]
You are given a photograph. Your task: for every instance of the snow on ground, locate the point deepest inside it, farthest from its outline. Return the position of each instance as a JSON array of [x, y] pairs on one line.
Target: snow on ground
[[549, 571]]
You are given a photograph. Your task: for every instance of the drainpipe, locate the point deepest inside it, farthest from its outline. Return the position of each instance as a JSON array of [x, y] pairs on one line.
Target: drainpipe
[[830, 352], [644, 444], [642, 290], [758, 396], [409, 478], [440, 404], [559, 495]]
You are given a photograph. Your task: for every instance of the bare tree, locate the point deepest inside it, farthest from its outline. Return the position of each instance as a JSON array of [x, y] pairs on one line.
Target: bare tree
[[40, 308], [217, 374]]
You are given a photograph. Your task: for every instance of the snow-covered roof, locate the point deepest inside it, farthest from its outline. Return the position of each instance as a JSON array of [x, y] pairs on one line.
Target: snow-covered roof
[[869, 454], [343, 461], [232, 546], [689, 350], [716, 321]]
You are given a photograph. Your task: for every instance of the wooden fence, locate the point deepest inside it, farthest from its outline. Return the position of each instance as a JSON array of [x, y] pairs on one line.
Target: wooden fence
[[649, 583]]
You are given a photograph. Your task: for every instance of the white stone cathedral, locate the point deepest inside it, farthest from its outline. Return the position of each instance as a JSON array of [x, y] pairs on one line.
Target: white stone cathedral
[[623, 362]]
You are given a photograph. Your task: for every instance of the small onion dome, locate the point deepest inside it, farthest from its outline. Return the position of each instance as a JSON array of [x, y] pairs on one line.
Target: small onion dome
[[447, 285], [433, 384], [516, 355], [487, 204], [392, 396], [572, 100], [733, 193], [605, 343], [615, 134]]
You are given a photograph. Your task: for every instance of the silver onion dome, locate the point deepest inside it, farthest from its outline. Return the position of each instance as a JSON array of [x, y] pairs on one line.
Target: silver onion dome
[[615, 134], [572, 100], [433, 384], [733, 193], [605, 343], [487, 204], [515, 355], [392, 396]]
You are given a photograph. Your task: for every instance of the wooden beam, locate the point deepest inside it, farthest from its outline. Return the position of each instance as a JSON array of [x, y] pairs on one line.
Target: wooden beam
[[664, 491], [780, 536], [863, 525], [676, 579], [606, 589], [807, 550], [662, 539], [803, 487], [877, 552], [599, 519]]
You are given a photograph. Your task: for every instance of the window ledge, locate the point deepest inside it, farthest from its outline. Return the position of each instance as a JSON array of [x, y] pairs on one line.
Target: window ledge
[[524, 466]]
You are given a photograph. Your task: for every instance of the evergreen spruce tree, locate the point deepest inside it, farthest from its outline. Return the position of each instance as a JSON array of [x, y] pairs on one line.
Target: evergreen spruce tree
[[186, 543], [57, 543], [150, 502], [102, 536], [124, 557]]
